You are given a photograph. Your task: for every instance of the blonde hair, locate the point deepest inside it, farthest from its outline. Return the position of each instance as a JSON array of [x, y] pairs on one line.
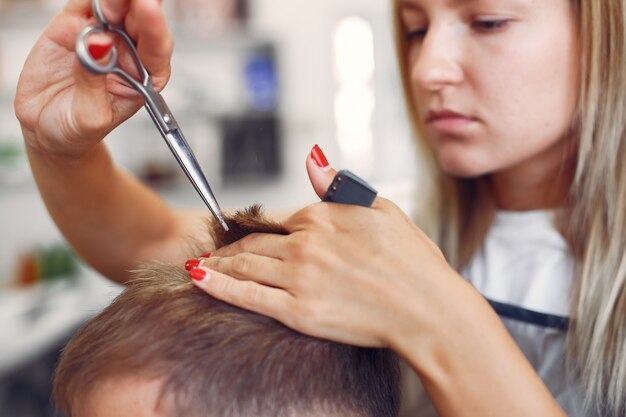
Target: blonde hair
[[595, 211]]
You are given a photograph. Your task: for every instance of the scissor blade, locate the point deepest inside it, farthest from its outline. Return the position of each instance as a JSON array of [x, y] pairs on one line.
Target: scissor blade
[[181, 150]]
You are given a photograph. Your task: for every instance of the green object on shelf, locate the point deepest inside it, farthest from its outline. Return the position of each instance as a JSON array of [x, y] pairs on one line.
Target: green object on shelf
[[57, 262], [10, 153]]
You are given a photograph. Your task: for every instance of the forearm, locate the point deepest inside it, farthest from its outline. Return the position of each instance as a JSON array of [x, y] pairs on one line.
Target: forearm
[[108, 216], [470, 366]]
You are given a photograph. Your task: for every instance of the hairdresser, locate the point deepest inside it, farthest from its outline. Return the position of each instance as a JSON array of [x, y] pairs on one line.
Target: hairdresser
[[509, 299]]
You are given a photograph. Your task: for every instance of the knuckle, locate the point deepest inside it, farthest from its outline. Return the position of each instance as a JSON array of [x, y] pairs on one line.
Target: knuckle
[[302, 245], [313, 214], [298, 218], [304, 317], [224, 286], [214, 262], [296, 321], [314, 210], [241, 264], [295, 283], [320, 213], [247, 243], [251, 296], [305, 241], [383, 205]]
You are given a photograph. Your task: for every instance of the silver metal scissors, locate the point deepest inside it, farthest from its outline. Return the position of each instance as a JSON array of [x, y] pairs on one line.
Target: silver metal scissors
[[154, 103]]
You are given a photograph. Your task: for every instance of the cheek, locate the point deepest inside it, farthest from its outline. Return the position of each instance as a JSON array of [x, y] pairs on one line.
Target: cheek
[[530, 100]]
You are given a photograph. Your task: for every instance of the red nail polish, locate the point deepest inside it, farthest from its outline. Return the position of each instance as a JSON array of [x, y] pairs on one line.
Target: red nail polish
[[205, 255], [197, 274], [318, 156], [192, 263], [99, 51]]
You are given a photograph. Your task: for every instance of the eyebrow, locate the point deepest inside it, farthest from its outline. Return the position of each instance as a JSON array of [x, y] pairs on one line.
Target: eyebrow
[[404, 4], [409, 4]]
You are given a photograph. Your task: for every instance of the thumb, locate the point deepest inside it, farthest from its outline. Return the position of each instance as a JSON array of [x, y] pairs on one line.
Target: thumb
[[91, 103], [320, 172], [99, 47]]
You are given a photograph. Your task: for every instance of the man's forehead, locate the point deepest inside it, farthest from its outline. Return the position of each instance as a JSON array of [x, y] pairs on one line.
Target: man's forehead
[[123, 396]]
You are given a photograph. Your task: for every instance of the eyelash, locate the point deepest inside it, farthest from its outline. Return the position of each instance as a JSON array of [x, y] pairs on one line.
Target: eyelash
[[415, 34], [483, 26], [490, 25]]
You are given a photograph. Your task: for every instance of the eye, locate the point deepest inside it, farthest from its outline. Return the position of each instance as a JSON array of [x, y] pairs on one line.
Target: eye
[[415, 35], [489, 25]]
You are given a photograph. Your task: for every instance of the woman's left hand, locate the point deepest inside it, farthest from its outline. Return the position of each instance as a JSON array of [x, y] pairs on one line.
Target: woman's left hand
[[350, 274]]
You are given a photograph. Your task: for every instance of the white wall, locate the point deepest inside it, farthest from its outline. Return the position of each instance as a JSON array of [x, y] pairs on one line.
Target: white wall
[[304, 30]]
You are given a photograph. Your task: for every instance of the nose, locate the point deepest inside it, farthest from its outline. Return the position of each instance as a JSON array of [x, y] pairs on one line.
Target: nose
[[438, 61]]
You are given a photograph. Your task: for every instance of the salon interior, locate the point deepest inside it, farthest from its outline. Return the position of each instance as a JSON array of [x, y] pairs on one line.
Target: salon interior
[[255, 84]]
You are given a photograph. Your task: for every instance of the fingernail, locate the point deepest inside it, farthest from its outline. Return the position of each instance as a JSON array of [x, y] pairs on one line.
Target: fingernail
[[198, 274], [191, 264], [318, 156], [99, 50], [205, 255]]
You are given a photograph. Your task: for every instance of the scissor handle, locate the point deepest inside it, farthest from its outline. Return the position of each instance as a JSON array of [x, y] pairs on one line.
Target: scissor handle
[[97, 12], [112, 65], [85, 56]]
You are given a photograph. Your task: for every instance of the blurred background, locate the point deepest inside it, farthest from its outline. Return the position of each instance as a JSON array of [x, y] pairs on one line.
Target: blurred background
[[255, 84]]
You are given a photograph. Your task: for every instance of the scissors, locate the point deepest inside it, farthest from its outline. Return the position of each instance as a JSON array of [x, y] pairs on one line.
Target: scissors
[[154, 103]]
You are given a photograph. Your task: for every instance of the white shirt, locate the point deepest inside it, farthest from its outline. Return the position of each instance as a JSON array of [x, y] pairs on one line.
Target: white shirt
[[525, 262]]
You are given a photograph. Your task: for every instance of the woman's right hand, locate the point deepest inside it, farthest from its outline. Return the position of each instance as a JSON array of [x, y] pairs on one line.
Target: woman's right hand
[[64, 109]]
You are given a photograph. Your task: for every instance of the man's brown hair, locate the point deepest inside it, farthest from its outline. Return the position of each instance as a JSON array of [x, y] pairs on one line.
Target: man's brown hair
[[218, 360]]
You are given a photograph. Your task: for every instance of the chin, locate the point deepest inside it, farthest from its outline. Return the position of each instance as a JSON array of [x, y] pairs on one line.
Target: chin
[[462, 167], [463, 157]]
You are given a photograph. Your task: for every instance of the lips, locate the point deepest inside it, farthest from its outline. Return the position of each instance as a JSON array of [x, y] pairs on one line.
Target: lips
[[448, 121], [445, 114]]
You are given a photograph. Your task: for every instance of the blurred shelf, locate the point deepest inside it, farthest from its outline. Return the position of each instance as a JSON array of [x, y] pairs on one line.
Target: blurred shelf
[[34, 319]]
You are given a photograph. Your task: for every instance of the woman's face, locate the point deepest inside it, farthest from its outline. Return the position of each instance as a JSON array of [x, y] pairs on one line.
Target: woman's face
[[495, 81]]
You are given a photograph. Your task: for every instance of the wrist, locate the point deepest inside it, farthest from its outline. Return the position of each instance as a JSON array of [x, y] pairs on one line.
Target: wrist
[[439, 328], [61, 147], [42, 152], [468, 363]]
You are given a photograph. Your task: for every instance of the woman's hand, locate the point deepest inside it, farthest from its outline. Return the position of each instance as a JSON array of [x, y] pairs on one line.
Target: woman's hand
[[369, 277], [346, 273], [65, 112], [64, 109]]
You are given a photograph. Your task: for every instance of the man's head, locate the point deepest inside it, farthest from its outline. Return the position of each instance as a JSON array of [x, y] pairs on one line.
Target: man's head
[[164, 348]]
